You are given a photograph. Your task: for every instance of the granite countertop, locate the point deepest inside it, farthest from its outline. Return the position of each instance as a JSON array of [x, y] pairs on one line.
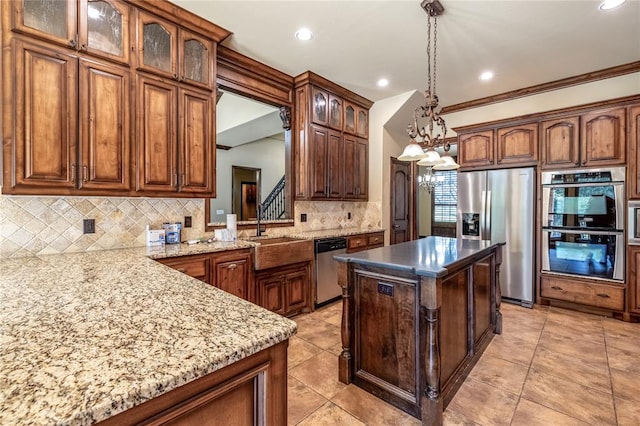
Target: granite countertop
[[85, 336], [330, 233], [175, 250], [426, 256]]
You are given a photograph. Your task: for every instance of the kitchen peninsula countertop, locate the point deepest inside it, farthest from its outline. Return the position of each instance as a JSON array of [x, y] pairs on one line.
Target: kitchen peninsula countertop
[[331, 233], [429, 257], [85, 336]]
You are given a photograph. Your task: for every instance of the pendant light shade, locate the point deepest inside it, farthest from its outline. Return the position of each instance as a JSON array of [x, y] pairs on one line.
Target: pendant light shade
[[432, 158], [412, 152], [448, 163]]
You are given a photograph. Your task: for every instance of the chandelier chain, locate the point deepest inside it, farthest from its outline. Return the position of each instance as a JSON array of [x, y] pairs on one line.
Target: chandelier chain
[[430, 93], [435, 52]]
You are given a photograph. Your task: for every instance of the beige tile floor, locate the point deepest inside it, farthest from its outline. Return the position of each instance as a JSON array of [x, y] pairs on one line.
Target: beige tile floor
[[551, 366]]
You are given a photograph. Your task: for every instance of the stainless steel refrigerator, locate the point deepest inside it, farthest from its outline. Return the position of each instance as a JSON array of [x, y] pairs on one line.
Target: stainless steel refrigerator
[[499, 205]]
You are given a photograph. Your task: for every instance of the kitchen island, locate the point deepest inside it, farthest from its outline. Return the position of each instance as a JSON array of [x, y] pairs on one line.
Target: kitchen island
[[115, 337], [416, 318]]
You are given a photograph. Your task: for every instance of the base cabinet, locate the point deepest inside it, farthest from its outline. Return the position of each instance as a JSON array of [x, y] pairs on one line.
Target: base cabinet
[[362, 242], [249, 392], [285, 290], [584, 292]]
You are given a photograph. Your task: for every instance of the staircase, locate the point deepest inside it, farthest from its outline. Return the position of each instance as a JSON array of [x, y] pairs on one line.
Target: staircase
[[273, 206]]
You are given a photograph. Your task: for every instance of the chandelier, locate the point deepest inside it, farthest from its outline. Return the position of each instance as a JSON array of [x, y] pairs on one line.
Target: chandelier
[[433, 133]]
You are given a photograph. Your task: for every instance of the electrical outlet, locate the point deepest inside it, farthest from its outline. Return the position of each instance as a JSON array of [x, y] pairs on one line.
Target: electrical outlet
[[187, 221], [349, 215], [88, 226], [303, 217]]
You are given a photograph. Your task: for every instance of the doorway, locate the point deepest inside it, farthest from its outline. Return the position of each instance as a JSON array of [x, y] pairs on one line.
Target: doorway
[[245, 193], [402, 210]]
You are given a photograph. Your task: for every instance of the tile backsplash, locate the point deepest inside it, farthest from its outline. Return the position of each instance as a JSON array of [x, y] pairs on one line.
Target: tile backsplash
[[33, 225]]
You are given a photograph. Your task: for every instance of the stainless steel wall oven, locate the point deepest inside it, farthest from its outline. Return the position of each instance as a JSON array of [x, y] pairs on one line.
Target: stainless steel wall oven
[[583, 223]]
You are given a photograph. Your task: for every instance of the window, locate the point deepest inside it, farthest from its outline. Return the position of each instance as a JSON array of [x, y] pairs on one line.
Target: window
[[445, 196]]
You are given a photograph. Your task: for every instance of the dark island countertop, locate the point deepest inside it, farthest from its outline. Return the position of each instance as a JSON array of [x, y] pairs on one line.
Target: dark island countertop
[[428, 257]]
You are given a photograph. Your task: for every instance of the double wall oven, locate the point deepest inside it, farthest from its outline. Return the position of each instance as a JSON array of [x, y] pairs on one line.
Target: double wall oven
[[583, 223]]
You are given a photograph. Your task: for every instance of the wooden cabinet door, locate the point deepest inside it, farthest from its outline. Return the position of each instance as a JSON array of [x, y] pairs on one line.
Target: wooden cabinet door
[[361, 167], [157, 46], [560, 143], [297, 290], [45, 116], [476, 149], [349, 118], [336, 112], [156, 135], [362, 123], [349, 174], [482, 297], [319, 167], [196, 58], [633, 295], [271, 292], [196, 266], [53, 20], [319, 106], [231, 273], [603, 138], [104, 126], [518, 144], [103, 29], [634, 152], [197, 147], [334, 161]]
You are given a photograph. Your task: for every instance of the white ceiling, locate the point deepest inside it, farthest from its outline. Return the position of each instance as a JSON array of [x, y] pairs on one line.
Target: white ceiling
[[525, 42]]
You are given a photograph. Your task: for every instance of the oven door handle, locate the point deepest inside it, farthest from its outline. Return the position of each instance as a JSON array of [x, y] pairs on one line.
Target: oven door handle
[[582, 231], [581, 185]]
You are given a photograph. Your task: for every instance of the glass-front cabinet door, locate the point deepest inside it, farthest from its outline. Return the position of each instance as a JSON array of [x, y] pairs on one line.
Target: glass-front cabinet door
[[335, 112], [157, 45], [350, 118], [104, 29], [54, 20], [362, 129], [196, 60]]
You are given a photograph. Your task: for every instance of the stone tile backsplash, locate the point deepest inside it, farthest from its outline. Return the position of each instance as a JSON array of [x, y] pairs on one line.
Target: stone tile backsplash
[[31, 225]]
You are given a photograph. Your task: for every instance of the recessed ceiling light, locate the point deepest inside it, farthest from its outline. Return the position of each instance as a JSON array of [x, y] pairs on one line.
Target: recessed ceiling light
[[383, 82], [304, 34], [610, 4], [486, 76]]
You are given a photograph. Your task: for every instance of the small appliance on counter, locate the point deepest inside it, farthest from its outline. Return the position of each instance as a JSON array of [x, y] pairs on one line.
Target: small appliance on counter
[[172, 232], [155, 237]]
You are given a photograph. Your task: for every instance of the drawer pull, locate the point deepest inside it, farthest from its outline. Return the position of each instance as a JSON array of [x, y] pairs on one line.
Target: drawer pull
[[555, 287], [181, 270], [604, 295], [232, 266]]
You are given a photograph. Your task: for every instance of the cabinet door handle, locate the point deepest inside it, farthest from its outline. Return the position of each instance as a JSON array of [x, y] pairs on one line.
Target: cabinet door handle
[[232, 266], [174, 179], [604, 295], [85, 173], [555, 287], [181, 270], [73, 42], [73, 173]]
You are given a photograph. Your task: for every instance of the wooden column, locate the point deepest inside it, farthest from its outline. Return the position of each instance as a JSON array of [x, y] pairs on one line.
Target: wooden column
[[430, 392], [498, 292], [345, 361]]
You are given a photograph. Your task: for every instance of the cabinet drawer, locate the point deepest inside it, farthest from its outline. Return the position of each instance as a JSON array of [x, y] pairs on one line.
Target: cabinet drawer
[[376, 240], [598, 295], [356, 242], [196, 268]]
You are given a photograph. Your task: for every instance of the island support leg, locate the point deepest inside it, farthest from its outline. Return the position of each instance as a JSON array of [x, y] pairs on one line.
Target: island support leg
[[498, 292], [432, 405], [345, 360]]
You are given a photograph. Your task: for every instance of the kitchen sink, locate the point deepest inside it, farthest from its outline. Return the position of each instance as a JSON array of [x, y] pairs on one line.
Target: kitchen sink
[[271, 252]]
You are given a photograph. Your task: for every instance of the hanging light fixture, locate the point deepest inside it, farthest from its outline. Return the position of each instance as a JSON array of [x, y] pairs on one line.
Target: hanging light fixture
[[433, 133]]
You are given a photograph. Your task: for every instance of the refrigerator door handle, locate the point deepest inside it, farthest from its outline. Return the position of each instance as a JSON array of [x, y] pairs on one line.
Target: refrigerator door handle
[[486, 215]]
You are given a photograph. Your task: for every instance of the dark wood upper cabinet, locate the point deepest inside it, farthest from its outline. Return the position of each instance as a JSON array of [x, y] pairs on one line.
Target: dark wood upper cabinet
[[518, 144], [157, 46], [45, 114], [196, 58], [362, 123], [350, 118], [476, 149], [634, 154], [336, 112], [319, 106], [104, 126], [356, 167], [51, 20], [560, 143], [603, 138], [103, 29]]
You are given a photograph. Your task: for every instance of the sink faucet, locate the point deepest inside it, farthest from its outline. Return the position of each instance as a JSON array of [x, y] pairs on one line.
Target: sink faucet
[[259, 213]]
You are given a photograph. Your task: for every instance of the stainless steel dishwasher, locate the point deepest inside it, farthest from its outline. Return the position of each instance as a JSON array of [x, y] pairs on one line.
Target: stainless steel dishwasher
[[327, 288]]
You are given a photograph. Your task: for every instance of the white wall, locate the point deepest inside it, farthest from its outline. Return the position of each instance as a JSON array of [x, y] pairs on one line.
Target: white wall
[[267, 154]]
